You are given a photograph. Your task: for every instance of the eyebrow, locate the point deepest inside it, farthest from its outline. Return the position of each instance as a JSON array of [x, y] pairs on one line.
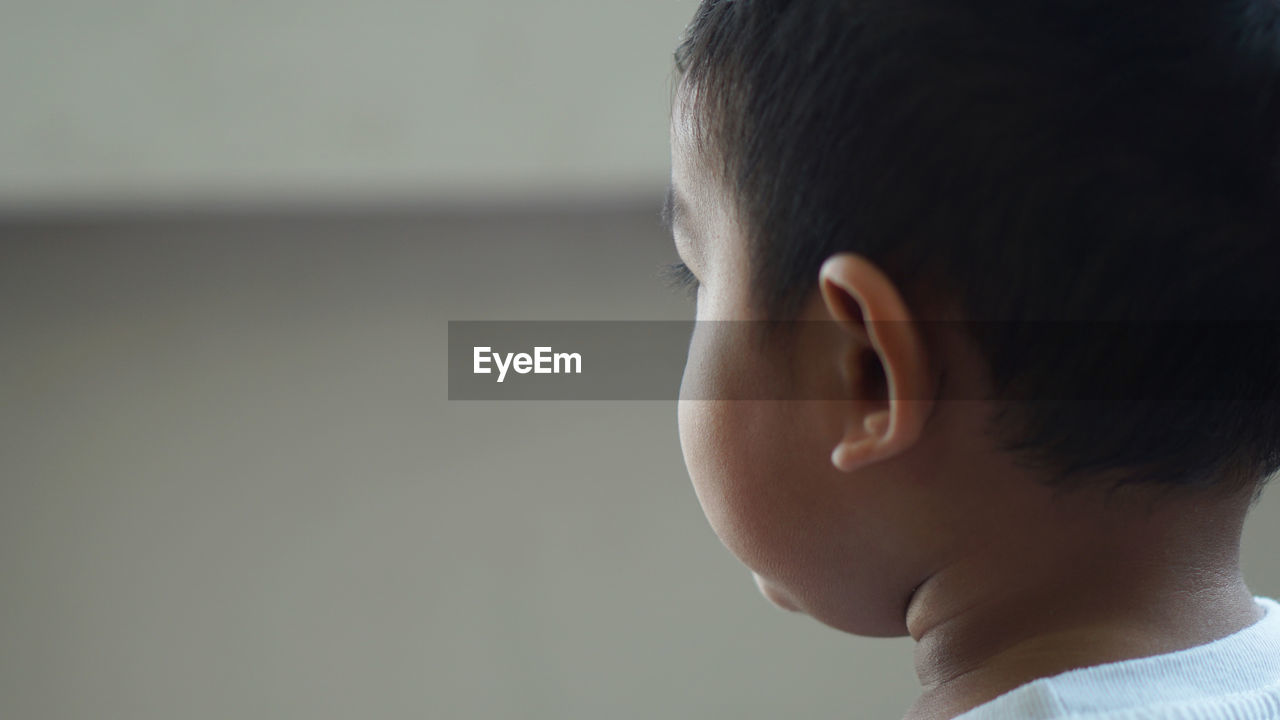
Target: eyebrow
[[674, 209]]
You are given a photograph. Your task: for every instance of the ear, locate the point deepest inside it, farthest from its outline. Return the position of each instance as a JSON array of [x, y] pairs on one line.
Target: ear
[[890, 418]]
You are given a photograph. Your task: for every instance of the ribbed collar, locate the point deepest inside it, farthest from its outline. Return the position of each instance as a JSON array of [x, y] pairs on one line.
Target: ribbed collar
[[1236, 677]]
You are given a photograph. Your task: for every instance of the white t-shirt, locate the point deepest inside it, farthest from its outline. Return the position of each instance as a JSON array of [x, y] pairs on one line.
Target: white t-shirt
[[1234, 678]]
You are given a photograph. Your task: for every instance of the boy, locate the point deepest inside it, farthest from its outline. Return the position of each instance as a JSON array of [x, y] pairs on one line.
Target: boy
[[1039, 241]]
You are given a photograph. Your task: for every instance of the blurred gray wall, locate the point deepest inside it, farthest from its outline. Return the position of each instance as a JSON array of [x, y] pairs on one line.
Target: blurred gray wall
[[183, 101]]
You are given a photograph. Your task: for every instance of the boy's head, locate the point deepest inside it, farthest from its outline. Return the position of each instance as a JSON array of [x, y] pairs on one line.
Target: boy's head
[[1084, 195]]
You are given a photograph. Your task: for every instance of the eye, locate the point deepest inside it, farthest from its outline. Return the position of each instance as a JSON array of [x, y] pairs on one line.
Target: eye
[[680, 277]]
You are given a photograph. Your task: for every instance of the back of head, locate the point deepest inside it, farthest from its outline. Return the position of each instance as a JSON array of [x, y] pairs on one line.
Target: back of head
[[1094, 185]]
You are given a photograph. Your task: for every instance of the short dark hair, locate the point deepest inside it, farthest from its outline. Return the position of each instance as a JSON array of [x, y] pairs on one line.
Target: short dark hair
[[1110, 164]]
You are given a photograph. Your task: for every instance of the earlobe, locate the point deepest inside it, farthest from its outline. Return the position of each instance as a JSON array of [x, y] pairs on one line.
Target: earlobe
[[862, 299], [854, 450]]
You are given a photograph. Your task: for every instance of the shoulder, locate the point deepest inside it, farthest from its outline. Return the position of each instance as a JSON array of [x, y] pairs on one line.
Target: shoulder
[[1233, 678]]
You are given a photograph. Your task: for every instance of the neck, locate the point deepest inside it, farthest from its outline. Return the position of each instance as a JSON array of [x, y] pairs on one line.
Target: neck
[[1081, 592]]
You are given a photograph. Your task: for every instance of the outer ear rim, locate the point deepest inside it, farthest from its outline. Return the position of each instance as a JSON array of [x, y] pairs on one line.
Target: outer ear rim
[[895, 338]]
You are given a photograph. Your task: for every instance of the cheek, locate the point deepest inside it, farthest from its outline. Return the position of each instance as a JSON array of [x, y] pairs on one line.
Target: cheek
[[709, 441], [747, 459], [732, 474]]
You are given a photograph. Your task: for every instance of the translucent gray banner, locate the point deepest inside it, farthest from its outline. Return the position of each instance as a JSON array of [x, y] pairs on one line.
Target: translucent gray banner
[[645, 360]]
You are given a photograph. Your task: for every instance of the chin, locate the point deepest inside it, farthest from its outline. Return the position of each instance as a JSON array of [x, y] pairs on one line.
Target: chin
[[864, 624], [855, 620], [775, 596]]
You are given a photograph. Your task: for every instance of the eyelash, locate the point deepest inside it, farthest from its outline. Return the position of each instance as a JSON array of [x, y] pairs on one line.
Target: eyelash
[[680, 277]]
